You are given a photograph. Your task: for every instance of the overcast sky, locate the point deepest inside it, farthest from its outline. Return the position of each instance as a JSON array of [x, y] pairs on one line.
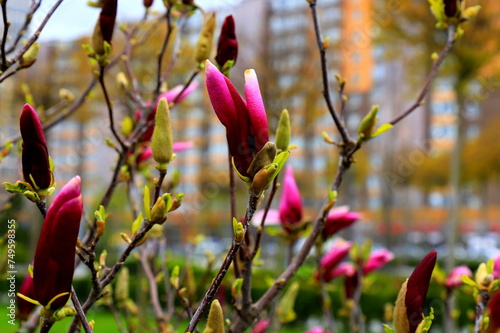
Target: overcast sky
[[74, 18]]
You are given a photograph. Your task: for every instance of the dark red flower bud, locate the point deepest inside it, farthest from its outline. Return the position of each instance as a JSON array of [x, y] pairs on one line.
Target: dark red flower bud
[[494, 313], [451, 7], [55, 253], [147, 3], [35, 156], [227, 46], [107, 19], [24, 307], [417, 287]]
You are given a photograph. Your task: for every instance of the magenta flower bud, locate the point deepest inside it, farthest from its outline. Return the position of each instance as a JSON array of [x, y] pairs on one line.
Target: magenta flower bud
[[107, 19], [245, 121], [290, 208], [227, 46], [377, 259], [454, 279], [24, 307], [338, 219], [35, 156], [317, 329], [147, 3], [496, 267], [330, 261], [417, 287], [170, 95], [261, 326], [55, 253]]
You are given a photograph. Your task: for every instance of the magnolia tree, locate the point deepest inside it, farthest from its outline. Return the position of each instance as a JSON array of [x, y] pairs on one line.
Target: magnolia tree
[[47, 294]]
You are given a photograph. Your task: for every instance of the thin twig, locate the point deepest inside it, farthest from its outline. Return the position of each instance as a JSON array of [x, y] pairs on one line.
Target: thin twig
[[46, 325], [110, 109], [159, 77], [6, 26], [153, 291], [430, 77], [324, 70], [79, 311]]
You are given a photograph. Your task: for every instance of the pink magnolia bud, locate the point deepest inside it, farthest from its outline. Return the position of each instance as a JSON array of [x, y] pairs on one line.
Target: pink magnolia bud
[[55, 253], [245, 121], [261, 326], [454, 280], [227, 46], [35, 156], [330, 261], [496, 267], [377, 259], [290, 209], [338, 219]]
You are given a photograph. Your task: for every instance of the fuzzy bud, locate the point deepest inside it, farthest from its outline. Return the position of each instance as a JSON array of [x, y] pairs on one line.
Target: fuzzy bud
[[162, 142], [284, 132], [215, 322], [29, 57], [204, 45]]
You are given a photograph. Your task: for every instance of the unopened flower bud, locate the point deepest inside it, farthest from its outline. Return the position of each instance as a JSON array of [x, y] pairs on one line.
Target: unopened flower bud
[[66, 95], [100, 227], [227, 46], [174, 277], [158, 211], [162, 142], [204, 45], [122, 81], [29, 57], [367, 126], [102, 258], [215, 322], [400, 318], [284, 132], [122, 285], [239, 230], [263, 158], [147, 3]]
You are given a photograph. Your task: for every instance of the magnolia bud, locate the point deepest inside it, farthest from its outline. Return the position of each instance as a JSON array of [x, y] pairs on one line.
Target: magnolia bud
[[400, 318], [122, 285], [367, 126], [283, 133], [121, 81], [29, 57], [159, 211], [100, 227], [215, 322], [204, 45], [162, 142], [263, 158], [239, 230]]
